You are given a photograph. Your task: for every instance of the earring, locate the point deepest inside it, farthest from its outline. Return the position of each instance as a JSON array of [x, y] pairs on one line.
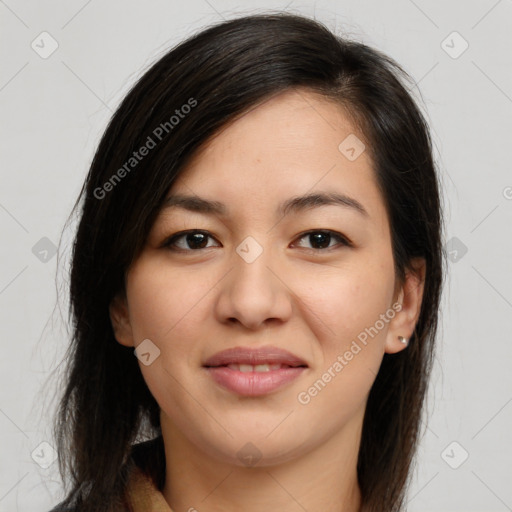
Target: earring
[[402, 340]]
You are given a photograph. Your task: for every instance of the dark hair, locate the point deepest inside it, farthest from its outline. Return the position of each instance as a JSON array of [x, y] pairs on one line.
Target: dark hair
[[219, 74]]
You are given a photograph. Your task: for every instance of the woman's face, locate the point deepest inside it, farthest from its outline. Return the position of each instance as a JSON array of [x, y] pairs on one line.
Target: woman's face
[[315, 279]]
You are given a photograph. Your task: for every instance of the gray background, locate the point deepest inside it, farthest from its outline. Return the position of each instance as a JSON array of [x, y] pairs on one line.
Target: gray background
[[54, 110]]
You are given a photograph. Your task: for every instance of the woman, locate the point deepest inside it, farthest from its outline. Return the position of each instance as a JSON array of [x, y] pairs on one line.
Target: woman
[[261, 226]]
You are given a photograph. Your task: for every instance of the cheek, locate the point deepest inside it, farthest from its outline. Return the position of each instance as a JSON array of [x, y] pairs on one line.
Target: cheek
[[162, 301], [353, 304], [350, 352], [162, 305], [346, 301]]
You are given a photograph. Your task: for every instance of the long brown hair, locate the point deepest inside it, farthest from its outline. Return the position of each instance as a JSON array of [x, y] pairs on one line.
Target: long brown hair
[[220, 72]]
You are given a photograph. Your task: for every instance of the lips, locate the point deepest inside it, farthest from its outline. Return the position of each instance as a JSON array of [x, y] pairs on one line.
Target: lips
[[254, 372], [254, 357]]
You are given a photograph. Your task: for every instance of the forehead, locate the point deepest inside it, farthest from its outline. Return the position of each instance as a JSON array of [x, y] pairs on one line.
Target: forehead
[[294, 143]]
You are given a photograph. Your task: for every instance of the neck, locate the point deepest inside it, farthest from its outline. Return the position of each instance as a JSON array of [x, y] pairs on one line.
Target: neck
[[322, 479]]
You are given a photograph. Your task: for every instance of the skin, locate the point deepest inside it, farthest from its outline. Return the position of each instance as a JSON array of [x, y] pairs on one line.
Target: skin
[[312, 301]]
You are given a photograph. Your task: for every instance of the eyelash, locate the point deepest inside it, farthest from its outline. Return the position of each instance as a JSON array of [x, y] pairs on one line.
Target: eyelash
[[169, 242]]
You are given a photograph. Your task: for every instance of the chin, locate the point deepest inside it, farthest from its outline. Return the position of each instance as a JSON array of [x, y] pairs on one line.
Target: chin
[[256, 447]]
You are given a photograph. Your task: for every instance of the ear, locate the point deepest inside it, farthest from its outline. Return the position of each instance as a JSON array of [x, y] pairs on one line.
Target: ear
[[120, 318], [407, 303]]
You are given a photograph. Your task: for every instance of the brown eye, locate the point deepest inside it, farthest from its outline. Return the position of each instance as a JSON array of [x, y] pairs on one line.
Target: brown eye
[[188, 240], [321, 239]]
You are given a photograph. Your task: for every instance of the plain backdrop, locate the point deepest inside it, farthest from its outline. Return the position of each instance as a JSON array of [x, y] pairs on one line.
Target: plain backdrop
[[54, 107]]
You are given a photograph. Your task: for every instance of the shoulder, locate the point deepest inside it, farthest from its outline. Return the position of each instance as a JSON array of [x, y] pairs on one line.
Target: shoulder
[[147, 456]]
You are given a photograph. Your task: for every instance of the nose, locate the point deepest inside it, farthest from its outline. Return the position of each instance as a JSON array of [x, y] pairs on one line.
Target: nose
[[254, 293]]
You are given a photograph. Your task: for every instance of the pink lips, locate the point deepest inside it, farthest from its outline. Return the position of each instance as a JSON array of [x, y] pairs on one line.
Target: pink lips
[[272, 368]]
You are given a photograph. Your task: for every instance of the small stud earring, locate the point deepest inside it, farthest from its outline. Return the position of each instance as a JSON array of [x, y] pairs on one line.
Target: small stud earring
[[402, 340]]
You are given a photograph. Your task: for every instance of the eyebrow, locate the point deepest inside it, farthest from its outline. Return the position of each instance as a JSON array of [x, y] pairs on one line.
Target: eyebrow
[[293, 205]]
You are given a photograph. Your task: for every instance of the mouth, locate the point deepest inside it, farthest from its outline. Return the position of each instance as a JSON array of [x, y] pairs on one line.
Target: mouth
[[254, 372], [265, 367], [255, 357]]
